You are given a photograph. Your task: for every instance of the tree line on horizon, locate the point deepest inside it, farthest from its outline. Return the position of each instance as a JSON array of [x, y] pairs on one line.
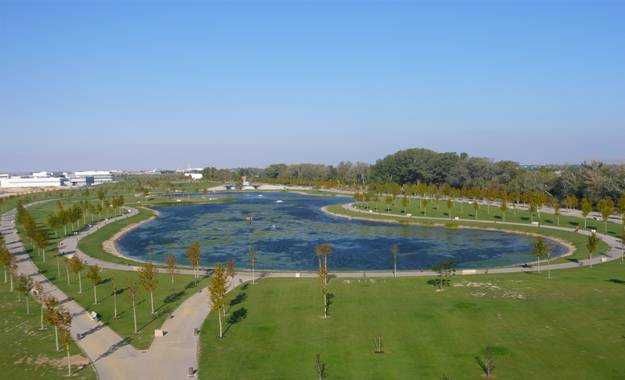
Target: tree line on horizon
[[589, 180]]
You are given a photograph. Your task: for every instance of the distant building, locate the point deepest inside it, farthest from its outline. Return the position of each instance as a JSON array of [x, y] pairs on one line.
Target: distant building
[[8, 182], [80, 181], [99, 176], [42, 175], [194, 176]]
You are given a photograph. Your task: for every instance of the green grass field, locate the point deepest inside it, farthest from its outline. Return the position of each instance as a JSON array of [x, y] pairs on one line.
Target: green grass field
[[26, 351], [166, 298], [439, 209], [569, 327]]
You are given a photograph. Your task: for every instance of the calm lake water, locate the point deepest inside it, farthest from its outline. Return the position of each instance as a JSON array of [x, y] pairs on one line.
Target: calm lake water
[[286, 227]]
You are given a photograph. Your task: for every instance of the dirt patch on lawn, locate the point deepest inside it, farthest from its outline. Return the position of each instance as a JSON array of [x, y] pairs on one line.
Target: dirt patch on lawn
[[77, 361]]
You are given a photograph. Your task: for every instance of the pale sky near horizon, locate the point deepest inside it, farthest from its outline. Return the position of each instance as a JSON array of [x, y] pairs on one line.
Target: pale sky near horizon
[[120, 86]]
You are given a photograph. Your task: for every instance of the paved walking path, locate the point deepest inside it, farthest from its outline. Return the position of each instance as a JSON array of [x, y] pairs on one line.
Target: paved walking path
[[169, 357]]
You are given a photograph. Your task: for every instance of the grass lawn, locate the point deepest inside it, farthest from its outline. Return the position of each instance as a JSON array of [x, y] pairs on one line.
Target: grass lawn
[[569, 327], [577, 240], [166, 297], [466, 211], [27, 352]]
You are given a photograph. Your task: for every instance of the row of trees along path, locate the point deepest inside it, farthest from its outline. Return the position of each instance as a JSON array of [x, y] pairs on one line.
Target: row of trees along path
[[169, 357]]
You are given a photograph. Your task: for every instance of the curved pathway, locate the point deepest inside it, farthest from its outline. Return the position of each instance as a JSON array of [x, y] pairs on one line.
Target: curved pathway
[[169, 357]]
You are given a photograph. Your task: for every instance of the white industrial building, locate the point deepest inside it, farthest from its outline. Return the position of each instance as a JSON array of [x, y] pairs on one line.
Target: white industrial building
[[194, 176], [99, 176], [31, 181]]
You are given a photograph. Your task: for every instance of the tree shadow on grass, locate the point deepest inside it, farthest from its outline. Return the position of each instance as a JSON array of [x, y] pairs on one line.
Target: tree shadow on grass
[[173, 297], [616, 281], [234, 318], [242, 296]]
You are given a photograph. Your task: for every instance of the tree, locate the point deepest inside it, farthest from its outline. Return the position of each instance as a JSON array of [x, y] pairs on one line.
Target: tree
[[76, 266], [230, 270], [7, 261], [147, 277], [555, 204], [586, 209], [405, 202], [25, 285], [621, 207], [115, 293], [323, 283], [476, 207], [193, 255], [38, 290], [64, 323], [252, 257], [445, 270], [504, 208], [170, 260], [450, 206], [320, 368], [570, 202], [487, 363], [539, 250], [132, 290], [93, 274], [591, 245], [50, 316], [323, 251], [622, 243], [217, 291], [606, 207], [394, 252]]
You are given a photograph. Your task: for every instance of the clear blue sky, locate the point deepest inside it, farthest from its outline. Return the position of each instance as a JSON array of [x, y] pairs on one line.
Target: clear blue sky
[[235, 84]]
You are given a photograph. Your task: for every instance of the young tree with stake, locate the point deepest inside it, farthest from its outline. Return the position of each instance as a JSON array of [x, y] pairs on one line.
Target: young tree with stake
[[539, 250], [193, 255], [76, 266], [147, 277], [131, 290], [94, 274], [217, 292], [591, 245], [394, 252], [170, 260]]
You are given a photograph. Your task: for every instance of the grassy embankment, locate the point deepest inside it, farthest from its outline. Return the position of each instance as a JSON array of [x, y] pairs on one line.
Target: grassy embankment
[[28, 352]]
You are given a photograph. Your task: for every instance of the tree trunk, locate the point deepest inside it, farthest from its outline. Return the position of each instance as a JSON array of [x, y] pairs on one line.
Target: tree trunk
[[43, 255], [6, 278], [95, 294], [58, 267], [56, 337], [11, 277], [220, 324], [115, 304], [69, 364], [395, 268], [67, 272], [27, 305], [152, 301], [79, 284], [41, 318], [134, 315]]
